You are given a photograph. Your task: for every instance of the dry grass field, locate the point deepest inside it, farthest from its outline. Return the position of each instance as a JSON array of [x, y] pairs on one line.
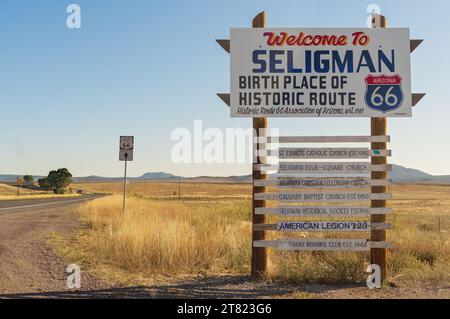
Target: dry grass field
[[8, 192], [161, 236], [169, 190]]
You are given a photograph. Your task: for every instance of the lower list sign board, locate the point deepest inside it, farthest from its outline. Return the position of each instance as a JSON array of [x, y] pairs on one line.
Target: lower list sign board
[[324, 226], [322, 196], [335, 153], [323, 244], [323, 167], [335, 211], [326, 182]]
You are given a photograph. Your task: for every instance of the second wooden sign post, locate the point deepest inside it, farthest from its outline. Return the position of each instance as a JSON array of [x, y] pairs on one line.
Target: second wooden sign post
[[259, 254]]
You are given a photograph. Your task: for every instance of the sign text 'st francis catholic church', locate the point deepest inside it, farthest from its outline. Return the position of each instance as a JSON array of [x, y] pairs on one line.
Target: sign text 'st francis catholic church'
[[320, 72], [126, 148]]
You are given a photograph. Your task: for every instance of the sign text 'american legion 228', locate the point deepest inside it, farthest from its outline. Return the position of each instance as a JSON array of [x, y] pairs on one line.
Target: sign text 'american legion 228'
[[320, 72]]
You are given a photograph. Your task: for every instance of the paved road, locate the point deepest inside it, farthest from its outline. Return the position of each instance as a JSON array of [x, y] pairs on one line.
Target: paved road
[[38, 204]]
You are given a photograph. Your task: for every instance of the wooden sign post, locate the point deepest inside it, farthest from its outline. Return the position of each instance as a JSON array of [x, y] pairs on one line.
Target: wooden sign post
[[259, 254], [378, 126]]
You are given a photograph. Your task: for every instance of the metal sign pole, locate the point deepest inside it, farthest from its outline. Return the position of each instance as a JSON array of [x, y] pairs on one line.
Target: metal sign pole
[[126, 147], [124, 186]]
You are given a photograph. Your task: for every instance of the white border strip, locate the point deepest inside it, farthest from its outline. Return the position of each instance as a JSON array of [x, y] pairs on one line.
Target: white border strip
[[324, 139]]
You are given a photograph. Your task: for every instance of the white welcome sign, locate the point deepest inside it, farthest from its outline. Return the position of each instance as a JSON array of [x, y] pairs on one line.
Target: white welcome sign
[[320, 72]]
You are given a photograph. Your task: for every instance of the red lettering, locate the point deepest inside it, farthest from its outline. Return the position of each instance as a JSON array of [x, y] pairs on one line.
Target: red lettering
[[313, 40]]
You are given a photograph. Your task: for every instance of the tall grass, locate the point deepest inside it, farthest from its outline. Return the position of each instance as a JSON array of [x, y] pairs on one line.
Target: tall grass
[[197, 237], [166, 238], [8, 192], [170, 190]]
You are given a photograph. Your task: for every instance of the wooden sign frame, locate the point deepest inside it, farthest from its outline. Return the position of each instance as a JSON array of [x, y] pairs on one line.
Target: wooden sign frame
[[378, 183]]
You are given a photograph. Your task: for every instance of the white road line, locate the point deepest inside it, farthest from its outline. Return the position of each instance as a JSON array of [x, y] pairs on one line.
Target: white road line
[[43, 204]]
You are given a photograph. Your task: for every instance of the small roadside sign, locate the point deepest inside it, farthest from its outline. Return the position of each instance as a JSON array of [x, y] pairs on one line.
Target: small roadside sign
[[125, 155], [126, 148], [127, 143]]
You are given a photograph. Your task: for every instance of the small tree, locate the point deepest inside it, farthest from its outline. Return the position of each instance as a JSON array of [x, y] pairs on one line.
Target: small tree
[[28, 179], [59, 180], [44, 184]]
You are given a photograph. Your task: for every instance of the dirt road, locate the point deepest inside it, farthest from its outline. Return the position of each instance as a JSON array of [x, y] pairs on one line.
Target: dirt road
[[27, 263], [30, 269]]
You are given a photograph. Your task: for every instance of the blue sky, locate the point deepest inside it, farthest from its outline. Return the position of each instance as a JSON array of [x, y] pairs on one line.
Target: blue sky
[[144, 68]]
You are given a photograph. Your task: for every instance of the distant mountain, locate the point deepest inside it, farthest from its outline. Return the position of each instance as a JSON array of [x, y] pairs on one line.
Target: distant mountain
[[399, 174], [404, 174], [157, 175], [221, 179], [12, 178], [146, 177], [95, 178]]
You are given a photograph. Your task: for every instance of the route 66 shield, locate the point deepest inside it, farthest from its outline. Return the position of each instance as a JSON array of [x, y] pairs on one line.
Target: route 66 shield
[[383, 92]]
